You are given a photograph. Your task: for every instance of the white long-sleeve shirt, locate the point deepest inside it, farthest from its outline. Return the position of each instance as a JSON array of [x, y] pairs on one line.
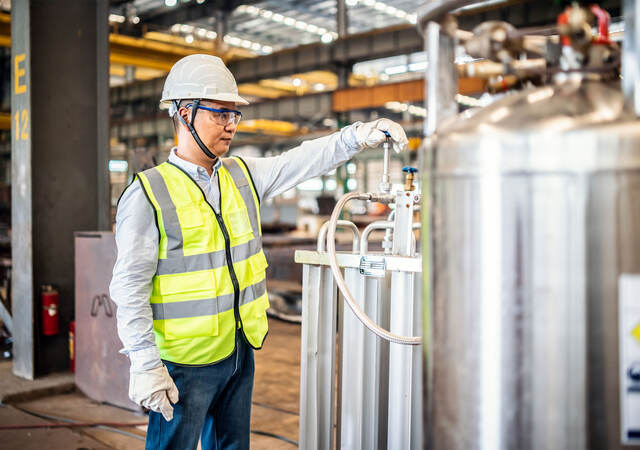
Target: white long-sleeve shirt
[[137, 234]]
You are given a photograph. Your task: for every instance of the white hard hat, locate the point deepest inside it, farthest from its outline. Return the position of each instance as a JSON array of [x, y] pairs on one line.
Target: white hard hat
[[200, 76]]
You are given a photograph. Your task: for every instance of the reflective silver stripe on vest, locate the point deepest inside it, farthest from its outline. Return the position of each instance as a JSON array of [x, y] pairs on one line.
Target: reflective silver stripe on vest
[[246, 192], [208, 306], [170, 220], [205, 261]]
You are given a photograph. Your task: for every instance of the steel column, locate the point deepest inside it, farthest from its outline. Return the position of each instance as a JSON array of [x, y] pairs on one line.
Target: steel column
[[630, 57], [342, 18], [59, 111]]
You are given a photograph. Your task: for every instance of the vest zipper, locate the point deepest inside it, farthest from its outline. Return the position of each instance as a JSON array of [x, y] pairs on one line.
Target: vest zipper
[[232, 272], [227, 248]]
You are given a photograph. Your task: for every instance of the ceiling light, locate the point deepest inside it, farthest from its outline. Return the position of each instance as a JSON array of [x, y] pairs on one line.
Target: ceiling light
[[312, 28], [289, 21], [189, 38], [116, 18], [301, 25], [352, 2], [392, 105], [246, 44], [201, 32], [266, 49], [296, 82], [319, 87], [277, 18], [322, 30], [186, 28], [175, 28], [170, 2], [394, 70], [252, 9], [329, 122], [118, 165], [326, 38], [135, 20], [266, 14], [255, 46], [414, 67], [241, 8], [390, 10], [211, 35]]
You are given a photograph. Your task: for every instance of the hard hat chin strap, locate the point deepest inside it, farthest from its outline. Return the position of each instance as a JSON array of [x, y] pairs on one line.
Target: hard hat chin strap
[[194, 110]]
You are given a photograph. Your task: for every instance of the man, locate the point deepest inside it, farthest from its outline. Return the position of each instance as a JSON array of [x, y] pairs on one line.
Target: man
[[189, 280]]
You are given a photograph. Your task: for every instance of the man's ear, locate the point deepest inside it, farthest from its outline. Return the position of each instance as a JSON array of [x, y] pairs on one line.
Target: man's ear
[[184, 113]]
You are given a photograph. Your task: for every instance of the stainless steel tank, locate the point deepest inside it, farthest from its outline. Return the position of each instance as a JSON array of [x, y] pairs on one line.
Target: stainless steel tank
[[535, 222]]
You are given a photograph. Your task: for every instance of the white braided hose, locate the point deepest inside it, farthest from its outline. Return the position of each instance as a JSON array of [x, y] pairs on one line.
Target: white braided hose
[[342, 285]]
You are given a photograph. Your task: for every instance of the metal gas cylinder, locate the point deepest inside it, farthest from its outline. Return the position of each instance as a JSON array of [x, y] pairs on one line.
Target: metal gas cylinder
[[535, 232]]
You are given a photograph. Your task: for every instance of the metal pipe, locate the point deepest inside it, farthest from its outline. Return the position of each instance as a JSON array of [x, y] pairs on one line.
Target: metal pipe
[[342, 285], [387, 235], [435, 11], [341, 224], [630, 60], [378, 225], [385, 185]]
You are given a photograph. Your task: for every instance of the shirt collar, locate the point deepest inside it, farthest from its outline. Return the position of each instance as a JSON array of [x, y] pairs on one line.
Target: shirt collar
[[194, 170]]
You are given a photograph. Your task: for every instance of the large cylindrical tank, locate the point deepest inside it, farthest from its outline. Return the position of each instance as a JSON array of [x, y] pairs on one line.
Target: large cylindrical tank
[[535, 223]]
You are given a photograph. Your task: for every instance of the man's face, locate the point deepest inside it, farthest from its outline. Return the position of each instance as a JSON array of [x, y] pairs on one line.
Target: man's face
[[215, 136]]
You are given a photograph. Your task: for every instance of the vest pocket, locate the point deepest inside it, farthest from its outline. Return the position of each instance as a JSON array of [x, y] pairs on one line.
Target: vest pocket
[[239, 225], [192, 327], [194, 309], [258, 263], [190, 216], [188, 283]]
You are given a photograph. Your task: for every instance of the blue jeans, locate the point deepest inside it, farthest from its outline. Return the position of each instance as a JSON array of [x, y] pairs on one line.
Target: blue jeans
[[214, 404]]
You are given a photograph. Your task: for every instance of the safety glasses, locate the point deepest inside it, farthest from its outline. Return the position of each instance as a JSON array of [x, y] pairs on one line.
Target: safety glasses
[[223, 117]]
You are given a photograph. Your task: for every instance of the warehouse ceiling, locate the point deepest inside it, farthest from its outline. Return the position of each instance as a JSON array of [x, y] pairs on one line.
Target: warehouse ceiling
[[259, 27]]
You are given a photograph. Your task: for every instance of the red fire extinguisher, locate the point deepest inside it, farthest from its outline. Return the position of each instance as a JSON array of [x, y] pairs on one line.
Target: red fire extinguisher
[[50, 314], [72, 346]]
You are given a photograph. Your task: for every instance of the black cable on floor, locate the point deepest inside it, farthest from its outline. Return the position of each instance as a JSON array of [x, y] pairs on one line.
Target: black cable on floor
[[275, 436], [275, 408], [126, 433], [62, 419]]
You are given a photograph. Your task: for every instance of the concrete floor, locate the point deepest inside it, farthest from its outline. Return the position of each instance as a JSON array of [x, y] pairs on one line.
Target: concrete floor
[[275, 408]]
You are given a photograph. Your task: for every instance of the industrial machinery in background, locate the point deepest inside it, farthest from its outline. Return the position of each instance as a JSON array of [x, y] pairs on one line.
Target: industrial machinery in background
[[533, 332], [374, 301]]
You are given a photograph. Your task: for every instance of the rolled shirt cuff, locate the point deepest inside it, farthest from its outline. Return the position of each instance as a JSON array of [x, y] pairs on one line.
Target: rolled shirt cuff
[[144, 359], [349, 139]]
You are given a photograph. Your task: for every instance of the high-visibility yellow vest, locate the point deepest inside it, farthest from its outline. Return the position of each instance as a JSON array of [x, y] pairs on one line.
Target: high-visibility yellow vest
[[210, 280]]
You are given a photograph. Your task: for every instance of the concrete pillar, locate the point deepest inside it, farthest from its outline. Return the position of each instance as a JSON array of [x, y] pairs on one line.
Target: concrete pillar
[[342, 17], [222, 27], [59, 108]]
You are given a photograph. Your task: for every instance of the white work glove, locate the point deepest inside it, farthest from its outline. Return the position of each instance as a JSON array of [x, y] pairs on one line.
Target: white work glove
[[371, 134], [153, 389]]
